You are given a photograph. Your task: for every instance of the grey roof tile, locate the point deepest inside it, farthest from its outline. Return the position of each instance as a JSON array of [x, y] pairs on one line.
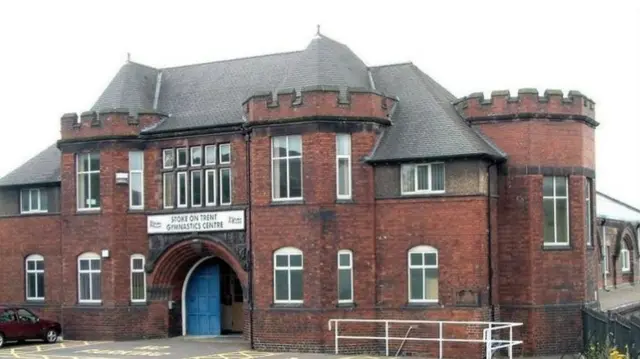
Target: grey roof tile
[[133, 87], [425, 123], [42, 168]]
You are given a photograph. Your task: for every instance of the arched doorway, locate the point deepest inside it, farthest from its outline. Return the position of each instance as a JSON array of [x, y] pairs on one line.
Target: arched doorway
[[212, 299]]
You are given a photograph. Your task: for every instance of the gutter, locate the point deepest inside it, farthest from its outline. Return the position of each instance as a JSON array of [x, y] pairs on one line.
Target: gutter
[[492, 309]]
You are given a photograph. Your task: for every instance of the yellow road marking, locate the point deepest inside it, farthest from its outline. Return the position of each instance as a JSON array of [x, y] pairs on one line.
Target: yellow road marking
[[245, 354]]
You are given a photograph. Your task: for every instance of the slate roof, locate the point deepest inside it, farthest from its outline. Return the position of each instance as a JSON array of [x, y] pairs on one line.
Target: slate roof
[[42, 168], [424, 124]]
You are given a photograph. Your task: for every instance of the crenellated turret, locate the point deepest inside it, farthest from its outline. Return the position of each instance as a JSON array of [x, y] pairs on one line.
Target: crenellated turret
[[113, 122]]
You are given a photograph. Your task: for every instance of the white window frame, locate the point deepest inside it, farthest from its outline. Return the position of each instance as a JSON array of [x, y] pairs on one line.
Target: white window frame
[[422, 249], [288, 159], [339, 157], [144, 278], [429, 178], [191, 188], [164, 158], [89, 172], [192, 150], [210, 161], [186, 184], [89, 256], [288, 251], [225, 169], [186, 157], [207, 189], [350, 269], [141, 172], [224, 145], [166, 175], [40, 192], [35, 258], [625, 260], [555, 198]]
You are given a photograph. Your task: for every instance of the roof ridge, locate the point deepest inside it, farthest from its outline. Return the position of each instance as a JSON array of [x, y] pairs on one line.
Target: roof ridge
[[618, 201], [142, 65], [229, 60], [392, 64]]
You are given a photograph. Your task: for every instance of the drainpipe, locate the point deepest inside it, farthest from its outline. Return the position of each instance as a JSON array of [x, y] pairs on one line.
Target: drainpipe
[[247, 140], [603, 253], [489, 238]]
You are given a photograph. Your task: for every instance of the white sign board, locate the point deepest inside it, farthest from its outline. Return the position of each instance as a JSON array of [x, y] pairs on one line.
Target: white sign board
[[196, 222]]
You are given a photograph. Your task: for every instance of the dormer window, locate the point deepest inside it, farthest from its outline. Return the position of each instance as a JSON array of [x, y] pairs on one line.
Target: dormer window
[[33, 200], [423, 178]]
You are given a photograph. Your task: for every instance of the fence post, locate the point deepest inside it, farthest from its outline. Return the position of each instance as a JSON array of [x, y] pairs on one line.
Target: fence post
[[510, 342], [440, 324], [336, 339], [386, 336]]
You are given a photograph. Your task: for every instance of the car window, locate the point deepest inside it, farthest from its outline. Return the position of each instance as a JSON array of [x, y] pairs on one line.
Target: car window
[[7, 315], [26, 316]]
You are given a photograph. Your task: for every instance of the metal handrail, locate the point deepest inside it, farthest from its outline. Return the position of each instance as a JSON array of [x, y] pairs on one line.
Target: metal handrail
[[491, 344]]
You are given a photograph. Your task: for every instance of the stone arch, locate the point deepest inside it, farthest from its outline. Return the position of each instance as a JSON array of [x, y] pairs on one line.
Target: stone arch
[[190, 250], [626, 234]]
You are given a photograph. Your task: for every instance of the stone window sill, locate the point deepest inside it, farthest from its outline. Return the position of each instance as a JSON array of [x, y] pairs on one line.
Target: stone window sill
[[287, 202], [413, 305], [565, 247], [345, 201], [287, 306], [346, 305]]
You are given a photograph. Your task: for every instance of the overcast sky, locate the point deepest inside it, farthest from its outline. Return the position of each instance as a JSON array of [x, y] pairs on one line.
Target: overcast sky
[[58, 56]]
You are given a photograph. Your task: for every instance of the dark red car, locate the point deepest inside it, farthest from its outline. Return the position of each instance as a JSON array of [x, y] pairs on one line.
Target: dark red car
[[21, 324]]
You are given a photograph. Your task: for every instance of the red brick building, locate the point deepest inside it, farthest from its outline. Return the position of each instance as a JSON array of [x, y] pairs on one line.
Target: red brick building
[[267, 195]]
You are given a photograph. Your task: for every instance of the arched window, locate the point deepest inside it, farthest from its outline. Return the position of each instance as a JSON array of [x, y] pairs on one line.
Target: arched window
[[287, 275], [423, 274], [345, 276], [625, 258], [138, 279], [89, 278], [34, 277]]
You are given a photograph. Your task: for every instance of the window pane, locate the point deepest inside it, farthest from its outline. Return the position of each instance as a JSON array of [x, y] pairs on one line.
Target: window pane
[[225, 186], [295, 184], [211, 187], [549, 220], [282, 260], [196, 156], [85, 289], [33, 196], [24, 197], [295, 146], [343, 177], [279, 147], [280, 179], [168, 158], [182, 156], [95, 264], [408, 178], [416, 282], [31, 265], [225, 153], [343, 144], [296, 284], [561, 186], [282, 285], [196, 188], [344, 284], [84, 184], [182, 188], [40, 285], [344, 260], [39, 265], [137, 286], [431, 259], [295, 260], [431, 283], [210, 155], [135, 160], [31, 282], [563, 220], [547, 186], [44, 200], [83, 162], [95, 286], [138, 263], [94, 162], [423, 178], [168, 189], [136, 189], [84, 264], [437, 177], [95, 190], [416, 259]]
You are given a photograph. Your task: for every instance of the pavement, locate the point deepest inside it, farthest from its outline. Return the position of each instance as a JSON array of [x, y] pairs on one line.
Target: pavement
[[619, 297], [183, 348]]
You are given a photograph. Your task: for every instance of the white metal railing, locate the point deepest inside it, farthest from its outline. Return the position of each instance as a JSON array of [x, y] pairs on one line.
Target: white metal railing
[[489, 330]]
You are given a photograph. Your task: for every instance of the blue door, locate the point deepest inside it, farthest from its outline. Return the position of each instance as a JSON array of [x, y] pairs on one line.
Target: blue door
[[203, 301]]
